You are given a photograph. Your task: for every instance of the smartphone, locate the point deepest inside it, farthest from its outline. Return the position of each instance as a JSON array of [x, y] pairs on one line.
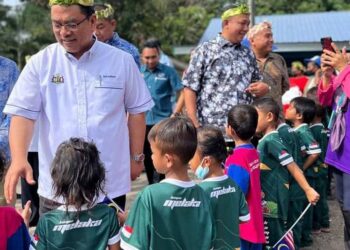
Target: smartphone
[[327, 43]]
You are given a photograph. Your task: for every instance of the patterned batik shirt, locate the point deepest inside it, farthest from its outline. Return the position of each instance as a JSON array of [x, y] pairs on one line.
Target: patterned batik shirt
[[219, 73], [8, 77], [124, 45]]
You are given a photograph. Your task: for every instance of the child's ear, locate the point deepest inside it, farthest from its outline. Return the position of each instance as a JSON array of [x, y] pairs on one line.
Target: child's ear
[[269, 117], [207, 160], [299, 116], [230, 131], [169, 158]]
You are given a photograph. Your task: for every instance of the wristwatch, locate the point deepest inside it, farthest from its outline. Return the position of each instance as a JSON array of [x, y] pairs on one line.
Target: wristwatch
[[138, 157]]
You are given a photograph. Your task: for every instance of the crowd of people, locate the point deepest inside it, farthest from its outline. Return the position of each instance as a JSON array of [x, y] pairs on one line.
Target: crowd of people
[[101, 113]]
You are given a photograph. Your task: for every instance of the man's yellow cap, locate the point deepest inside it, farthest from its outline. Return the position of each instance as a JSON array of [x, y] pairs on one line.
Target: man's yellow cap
[[71, 2], [234, 11]]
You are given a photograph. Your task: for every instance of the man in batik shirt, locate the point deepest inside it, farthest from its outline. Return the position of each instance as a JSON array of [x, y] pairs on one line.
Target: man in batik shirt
[[104, 31], [222, 72], [8, 76]]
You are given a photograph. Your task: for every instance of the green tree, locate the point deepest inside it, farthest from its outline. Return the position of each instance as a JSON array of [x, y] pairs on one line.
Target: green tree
[[24, 30]]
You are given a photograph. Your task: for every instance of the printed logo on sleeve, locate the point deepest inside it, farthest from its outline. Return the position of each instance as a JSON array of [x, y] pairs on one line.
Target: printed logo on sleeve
[[127, 231], [283, 154], [314, 145]]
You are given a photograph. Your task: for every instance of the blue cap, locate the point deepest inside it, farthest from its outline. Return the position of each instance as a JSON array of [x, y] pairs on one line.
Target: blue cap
[[315, 59]]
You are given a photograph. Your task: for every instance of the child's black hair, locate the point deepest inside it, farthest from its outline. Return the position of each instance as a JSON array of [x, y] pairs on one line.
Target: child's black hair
[[305, 107], [211, 142], [77, 172], [320, 111], [312, 94], [243, 119], [268, 105], [176, 135]]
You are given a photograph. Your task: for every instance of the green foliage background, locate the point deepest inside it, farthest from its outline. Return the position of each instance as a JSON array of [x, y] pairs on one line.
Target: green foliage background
[[174, 22]]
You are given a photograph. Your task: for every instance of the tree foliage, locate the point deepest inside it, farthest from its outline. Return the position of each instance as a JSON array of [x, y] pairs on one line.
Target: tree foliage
[[174, 22]]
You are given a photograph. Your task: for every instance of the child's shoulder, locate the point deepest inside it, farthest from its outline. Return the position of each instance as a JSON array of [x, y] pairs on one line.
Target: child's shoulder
[[241, 153], [169, 186]]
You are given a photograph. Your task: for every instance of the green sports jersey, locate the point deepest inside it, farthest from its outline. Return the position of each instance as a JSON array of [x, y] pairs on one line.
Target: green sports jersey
[[274, 175], [169, 215], [93, 228], [308, 147], [291, 142], [229, 208], [320, 134]]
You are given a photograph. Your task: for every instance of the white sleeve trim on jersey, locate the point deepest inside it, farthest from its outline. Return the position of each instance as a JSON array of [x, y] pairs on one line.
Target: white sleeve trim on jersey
[[114, 239], [244, 217], [314, 151], [287, 161], [126, 246]]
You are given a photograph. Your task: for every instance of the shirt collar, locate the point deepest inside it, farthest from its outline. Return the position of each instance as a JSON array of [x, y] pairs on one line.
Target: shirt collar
[[217, 178], [281, 125], [71, 208], [89, 52], [247, 145], [144, 68], [115, 37], [183, 184], [316, 124], [269, 133], [300, 126], [226, 43]]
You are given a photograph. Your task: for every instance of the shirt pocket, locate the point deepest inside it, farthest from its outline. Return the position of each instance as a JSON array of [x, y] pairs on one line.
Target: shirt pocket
[[108, 95], [109, 84]]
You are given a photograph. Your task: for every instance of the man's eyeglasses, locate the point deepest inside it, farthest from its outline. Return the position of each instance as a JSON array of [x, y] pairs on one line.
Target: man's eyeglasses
[[71, 26]]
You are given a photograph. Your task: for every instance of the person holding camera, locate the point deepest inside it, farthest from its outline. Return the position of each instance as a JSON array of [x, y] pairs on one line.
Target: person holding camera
[[335, 91]]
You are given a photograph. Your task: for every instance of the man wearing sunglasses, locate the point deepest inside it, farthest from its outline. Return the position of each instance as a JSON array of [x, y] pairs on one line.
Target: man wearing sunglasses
[[78, 87]]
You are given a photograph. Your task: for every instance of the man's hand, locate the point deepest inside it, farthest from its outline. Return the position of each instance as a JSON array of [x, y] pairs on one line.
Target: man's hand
[[258, 89], [136, 168], [16, 170], [312, 196]]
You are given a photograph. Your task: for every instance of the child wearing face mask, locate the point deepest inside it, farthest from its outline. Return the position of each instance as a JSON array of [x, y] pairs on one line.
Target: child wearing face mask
[[243, 166], [227, 200]]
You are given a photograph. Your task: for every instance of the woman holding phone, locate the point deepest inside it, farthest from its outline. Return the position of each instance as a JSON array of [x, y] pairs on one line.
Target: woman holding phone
[[335, 91]]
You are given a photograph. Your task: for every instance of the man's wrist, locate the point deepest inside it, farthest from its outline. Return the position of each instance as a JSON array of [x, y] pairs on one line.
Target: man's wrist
[[140, 157]]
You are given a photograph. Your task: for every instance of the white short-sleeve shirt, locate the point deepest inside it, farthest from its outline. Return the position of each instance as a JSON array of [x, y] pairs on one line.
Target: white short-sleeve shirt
[[86, 98]]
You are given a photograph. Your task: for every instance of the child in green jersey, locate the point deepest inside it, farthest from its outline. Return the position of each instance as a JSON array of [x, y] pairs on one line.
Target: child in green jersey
[[301, 113], [321, 211], [275, 164], [227, 200], [78, 177], [175, 213]]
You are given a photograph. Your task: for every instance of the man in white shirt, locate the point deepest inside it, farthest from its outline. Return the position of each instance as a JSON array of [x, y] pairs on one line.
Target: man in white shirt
[[78, 87]]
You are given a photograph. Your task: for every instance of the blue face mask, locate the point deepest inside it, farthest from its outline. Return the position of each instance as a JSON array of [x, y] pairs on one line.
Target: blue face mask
[[201, 172]]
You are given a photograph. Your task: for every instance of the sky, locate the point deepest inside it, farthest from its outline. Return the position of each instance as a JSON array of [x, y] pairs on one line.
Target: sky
[[11, 2]]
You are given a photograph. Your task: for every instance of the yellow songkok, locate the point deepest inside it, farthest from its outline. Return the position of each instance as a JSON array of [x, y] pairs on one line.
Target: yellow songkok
[[105, 13], [71, 2], [241, 9]]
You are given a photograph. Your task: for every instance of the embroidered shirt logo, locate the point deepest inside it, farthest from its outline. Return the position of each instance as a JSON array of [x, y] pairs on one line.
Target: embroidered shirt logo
[[57, 79]]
